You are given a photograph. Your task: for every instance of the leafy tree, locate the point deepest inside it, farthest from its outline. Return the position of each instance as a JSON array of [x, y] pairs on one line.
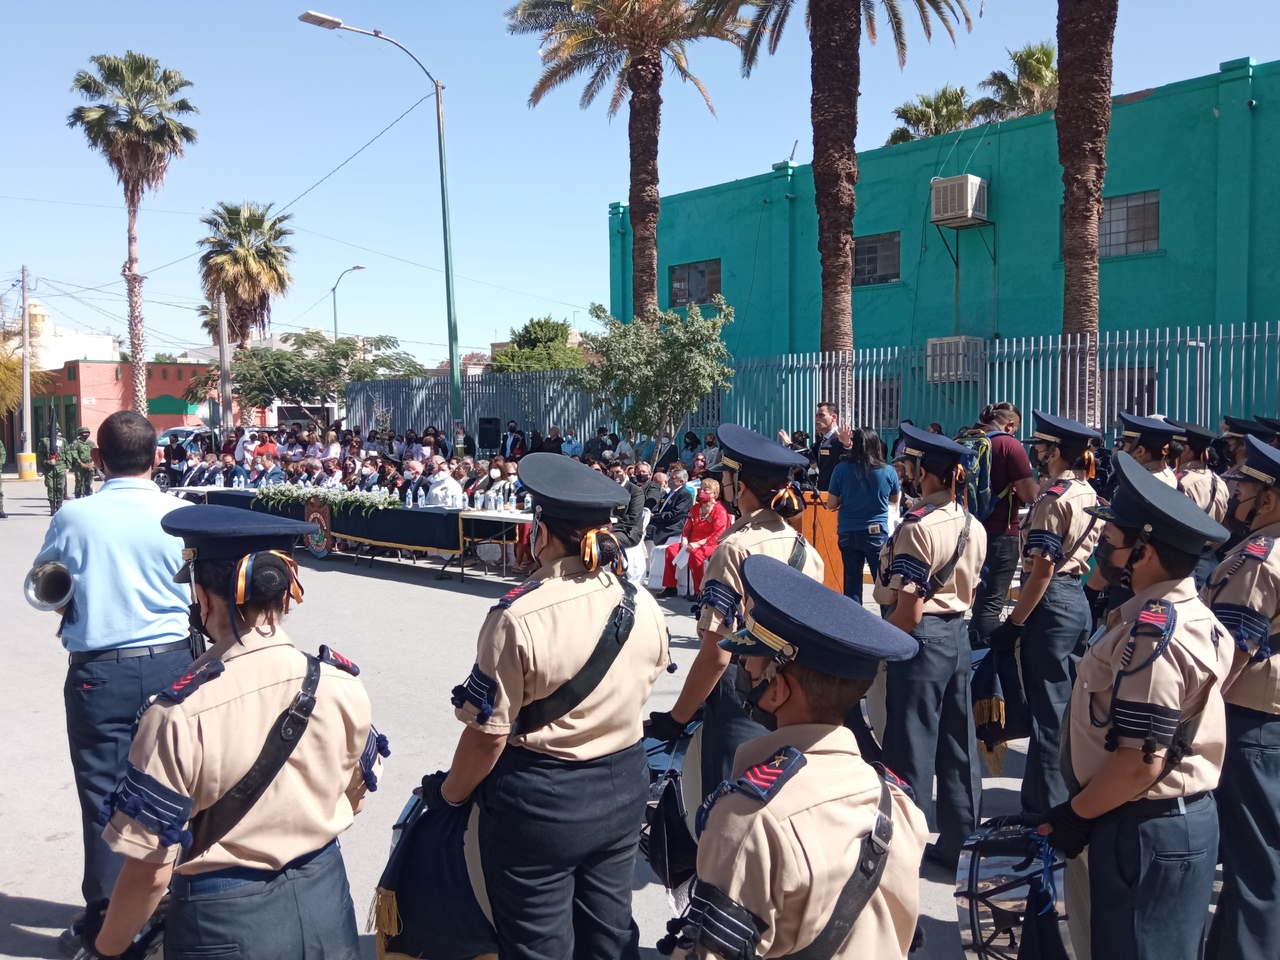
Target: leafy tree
[[245, 257], [650, 376], [946, 110], [541, 344], [164, 358], [835, 34], [313, 369], [135, 124], [1086, 35], [1031, 88], [624, 44], [474, 359], [11, 377]]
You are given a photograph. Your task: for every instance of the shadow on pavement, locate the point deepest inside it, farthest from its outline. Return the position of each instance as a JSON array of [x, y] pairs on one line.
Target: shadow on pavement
[[19, 912]]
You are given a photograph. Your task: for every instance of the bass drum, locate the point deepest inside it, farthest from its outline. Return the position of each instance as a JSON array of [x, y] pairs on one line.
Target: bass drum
[[668, 837], [431, 903]]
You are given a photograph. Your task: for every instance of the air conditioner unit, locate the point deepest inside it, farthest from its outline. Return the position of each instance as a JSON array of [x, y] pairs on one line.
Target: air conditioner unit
[[955, 359], [958, 201]]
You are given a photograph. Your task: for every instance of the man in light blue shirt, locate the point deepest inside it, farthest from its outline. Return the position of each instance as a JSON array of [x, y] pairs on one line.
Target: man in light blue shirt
[[572, 445], [126, 627]]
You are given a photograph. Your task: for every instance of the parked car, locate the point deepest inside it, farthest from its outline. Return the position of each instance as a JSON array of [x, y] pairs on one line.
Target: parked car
[[170, 471]]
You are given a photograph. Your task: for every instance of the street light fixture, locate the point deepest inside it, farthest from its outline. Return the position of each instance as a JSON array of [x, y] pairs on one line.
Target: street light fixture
[[333, 293], [455, 368]]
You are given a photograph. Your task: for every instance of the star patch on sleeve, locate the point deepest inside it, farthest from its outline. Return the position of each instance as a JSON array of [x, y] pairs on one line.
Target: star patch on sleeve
[[763, 781]]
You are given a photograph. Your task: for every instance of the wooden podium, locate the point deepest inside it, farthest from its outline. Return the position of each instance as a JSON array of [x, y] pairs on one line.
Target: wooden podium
[[818, 525]]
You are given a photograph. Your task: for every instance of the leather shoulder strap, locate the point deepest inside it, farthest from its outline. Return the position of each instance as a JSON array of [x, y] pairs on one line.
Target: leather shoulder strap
[[566, 697], [939, 579], [859, 888], [215, 822], [798, 553]]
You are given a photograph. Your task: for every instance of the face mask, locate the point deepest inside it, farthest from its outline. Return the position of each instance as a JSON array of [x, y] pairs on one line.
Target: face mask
[[366, 471], [495, 473], [257, 466], [751, 692], [1238, 528], [704, 496]]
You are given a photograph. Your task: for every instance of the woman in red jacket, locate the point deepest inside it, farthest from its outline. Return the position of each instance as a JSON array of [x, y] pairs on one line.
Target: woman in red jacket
[[707, 521]]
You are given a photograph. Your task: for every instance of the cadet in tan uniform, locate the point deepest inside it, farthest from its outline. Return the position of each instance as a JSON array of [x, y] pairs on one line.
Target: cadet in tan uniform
[[1052, 615], [242, 833], [929, 572], [1234, 432], [1206, 488], [1145, 733], [1244, 594], [809, 848], [552, 751], [756, 485]]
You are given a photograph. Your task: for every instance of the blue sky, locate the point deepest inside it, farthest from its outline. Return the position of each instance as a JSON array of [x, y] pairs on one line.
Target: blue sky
[[282, 103]]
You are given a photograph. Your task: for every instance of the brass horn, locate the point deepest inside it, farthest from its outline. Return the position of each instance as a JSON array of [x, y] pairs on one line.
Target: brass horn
[[49, 586]]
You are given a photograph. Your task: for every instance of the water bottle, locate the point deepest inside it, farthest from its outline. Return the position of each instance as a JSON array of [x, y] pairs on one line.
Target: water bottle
[[511, 500], [217, 479], [422, 497], [490, 499]]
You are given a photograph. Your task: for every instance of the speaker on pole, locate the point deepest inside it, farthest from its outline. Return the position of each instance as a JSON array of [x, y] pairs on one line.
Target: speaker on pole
[[490, 433]]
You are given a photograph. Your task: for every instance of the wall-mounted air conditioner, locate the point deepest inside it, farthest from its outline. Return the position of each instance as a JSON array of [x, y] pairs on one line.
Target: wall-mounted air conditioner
[[958, 201], [955, 359]]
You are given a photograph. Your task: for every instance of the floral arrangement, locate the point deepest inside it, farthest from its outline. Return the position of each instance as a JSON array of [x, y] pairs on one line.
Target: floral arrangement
[[280, 494]]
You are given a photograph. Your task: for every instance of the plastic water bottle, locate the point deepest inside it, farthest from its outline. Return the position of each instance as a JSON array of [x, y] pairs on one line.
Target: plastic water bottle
[[217, 479], [511, 500], [490, 500], [422, 497]]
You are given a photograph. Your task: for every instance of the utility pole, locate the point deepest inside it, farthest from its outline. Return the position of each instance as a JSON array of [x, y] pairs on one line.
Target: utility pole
[[224, 366], [26, 367]]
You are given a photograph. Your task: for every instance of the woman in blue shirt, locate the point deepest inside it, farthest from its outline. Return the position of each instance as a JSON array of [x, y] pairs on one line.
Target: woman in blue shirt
[[862, 488]]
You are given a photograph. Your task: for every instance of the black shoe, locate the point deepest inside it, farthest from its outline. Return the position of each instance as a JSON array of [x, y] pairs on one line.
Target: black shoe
[[69, 939], [943, 858], [3, 515], [667, 593]]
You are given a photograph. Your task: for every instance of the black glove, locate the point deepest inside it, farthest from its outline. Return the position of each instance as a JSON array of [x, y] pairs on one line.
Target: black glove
[[431, 795], [1070, 830], [1005, 637], [662, 726]]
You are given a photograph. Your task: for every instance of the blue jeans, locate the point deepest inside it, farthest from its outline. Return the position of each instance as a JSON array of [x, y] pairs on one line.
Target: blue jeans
[[859, 548]]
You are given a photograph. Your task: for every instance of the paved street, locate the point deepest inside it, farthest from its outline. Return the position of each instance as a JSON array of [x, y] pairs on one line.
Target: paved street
[[413, 637]]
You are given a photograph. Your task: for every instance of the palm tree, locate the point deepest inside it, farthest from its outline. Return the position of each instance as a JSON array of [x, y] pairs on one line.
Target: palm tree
[[946, 110], [625, 44], [835, 31], [245, 257], [135, 124], [1086, 33], [1033, 87]]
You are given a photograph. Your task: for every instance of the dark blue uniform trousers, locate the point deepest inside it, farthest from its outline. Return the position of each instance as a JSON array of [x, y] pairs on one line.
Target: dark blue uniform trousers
[[1246, 924], [1150, 880], [1001, 563], [1053, 640], [558, 844], [303, 912], [102, 702], [725, 727], [929, 726]]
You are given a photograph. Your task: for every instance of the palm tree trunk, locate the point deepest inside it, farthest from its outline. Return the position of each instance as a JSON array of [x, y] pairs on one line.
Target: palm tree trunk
[[1086, 32], [645, 80], [137, 330]]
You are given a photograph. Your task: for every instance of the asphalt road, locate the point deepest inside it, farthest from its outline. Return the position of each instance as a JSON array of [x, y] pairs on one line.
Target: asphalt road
[[414, 639]]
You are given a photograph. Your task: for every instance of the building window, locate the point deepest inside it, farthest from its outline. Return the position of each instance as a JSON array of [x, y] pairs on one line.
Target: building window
[[179, 373], [149, 372], [117, 373], [164, 373], [694, 282], [1130, 224], [71, 373], [877, 259]]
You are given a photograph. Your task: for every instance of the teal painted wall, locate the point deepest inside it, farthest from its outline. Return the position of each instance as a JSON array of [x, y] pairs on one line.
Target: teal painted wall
[[1199, 142]]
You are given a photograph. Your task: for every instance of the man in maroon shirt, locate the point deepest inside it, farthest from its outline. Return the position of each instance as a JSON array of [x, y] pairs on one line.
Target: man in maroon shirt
[[1013, 484]]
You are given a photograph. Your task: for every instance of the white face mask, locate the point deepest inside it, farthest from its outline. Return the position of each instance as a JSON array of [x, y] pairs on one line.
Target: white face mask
[[257, 466], [365, 471], [495, 473]]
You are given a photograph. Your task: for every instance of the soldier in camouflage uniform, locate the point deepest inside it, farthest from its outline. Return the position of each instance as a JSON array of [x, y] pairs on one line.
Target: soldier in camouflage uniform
[[53, 460], [79, 454]]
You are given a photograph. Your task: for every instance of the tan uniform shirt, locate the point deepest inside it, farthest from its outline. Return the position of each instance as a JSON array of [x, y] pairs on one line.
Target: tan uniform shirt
[[1058, 529], [919, 548], [1244, 593], [538, 637], [787, 859], [1184, 682], [761, 532], [188, 754], [1162, 472], [1206, 488]]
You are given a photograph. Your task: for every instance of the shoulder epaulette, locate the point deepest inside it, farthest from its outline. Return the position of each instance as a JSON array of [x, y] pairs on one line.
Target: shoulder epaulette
[[892, 778], [335, 659], [763, 781], [1058, 489], [186, 684], [919, 513], [1259, 547], [511, 596]]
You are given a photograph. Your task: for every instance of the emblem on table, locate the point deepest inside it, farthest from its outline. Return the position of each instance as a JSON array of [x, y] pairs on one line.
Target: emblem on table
[[319, 543]]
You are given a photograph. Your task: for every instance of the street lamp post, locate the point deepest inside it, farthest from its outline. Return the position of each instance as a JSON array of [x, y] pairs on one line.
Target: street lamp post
[[333, 293], [455, 368]]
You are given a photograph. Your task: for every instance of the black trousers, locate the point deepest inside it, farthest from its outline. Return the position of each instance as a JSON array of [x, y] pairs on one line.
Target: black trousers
[[1053, 640], [558, 844], [303, 912], [1246, 924], [1150, 880], [726, 727], [997, 576], [929, 727], [102, 701]]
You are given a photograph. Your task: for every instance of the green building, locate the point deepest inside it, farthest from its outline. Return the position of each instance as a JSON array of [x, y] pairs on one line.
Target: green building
[[1190, 234]]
